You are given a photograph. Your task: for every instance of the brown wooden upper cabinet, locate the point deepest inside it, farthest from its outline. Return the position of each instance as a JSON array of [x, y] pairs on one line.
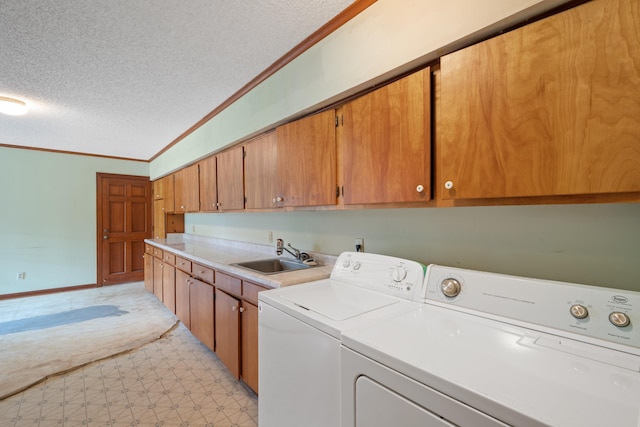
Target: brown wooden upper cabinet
[[386, 143], [208, 185], [306, 161], [260, 170], [222, 181], [163, 204], [552, 108], [187, 189]]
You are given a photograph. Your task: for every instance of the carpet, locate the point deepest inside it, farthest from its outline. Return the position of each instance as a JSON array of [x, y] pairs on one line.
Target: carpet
[[47, 335]]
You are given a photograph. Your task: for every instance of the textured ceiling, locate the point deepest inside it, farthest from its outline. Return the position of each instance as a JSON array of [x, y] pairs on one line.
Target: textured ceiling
[[125, 78]]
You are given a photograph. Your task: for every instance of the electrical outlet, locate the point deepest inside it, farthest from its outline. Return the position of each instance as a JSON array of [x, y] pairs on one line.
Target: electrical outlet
[[359, 243], [271, 237], [21, 275]]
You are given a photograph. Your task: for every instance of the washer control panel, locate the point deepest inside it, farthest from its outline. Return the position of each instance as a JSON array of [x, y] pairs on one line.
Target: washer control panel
[[602, 313], [389, 275]]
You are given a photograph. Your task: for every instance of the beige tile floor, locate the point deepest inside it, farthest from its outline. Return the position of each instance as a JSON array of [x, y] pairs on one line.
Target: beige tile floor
[[174, 381]]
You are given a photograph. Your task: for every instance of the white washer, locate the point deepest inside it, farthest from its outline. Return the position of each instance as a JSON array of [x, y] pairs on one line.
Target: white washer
[[299, 330], [505, 350]]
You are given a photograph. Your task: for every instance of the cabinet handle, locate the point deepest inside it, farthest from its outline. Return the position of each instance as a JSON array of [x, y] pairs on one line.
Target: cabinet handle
[[420, 188], [448, 185], [279, 199], [241, 309], [233, 308]]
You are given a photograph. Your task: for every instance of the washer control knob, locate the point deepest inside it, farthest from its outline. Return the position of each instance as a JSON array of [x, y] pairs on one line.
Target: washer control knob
[[346, 263], [398, 274], [619, 319], [450, 287], [357, 265], [579, 311]]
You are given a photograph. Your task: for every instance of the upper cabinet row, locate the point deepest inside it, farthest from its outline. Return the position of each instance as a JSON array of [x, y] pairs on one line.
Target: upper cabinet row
[[549, 109]]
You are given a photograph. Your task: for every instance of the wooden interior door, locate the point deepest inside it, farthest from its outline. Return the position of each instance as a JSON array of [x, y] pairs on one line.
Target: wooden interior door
[[123, 222]]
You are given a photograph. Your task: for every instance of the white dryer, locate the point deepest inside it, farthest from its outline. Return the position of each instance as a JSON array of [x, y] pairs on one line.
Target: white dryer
[[493, 350], [299, 329]]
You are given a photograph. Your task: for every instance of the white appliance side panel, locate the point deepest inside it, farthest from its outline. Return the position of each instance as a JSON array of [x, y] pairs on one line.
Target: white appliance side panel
[[291, 393], [378, 406]]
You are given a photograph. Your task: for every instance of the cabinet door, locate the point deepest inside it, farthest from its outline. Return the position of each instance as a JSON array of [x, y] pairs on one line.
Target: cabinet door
[[208, 185], [552, 108], [386, 141], [169, 286], [148, 272], [158, 189], [167, 186], [159, 231], [260, 169], [157, 277], [307, 161], [228, 331], [187, 189], [230, 179], [182, 297], [201, 306], [250, 345]]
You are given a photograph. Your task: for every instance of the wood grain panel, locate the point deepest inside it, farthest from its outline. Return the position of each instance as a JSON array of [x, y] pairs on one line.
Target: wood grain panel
[[249, 320], [552, 108], [202, 305], [208, 185], [260, 171], [169, 287], [187, 189], [228, 332], [231, 179], [387, 143], [182, 298], [306, 173]]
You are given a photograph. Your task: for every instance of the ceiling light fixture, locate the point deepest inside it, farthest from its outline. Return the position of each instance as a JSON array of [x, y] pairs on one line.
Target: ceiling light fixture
[[12, 106]]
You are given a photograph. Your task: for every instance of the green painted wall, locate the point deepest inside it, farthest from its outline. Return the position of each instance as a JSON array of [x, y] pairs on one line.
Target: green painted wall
[[48, 217], [591, 244]]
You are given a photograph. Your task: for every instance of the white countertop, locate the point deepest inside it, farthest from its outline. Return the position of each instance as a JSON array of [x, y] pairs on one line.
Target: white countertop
[[220, 254]]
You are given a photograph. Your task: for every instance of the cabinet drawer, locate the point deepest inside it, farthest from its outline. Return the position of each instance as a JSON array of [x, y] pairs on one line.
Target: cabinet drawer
[[169, 258], [148, 249], [157, 252], [250, 291], [202, 273], [183, 264], [231, 284]]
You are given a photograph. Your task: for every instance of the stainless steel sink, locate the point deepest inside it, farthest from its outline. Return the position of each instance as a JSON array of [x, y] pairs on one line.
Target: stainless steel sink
[[273, 265]]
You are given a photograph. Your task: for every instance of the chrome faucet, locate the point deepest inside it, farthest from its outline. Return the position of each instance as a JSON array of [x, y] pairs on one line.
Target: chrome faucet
[[300, 256]]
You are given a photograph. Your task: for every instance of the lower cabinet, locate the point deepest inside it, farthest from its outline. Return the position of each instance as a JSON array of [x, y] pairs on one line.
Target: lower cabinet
[[249, 345], [183, 281], [201, 312], [148, 272], [157, 277], [169, 286], [228, 331], [220, 310]]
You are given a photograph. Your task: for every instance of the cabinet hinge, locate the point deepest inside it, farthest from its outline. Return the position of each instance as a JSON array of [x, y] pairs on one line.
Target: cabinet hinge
[[337, 191], [337, 122], [244, 153], [245, 200]]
